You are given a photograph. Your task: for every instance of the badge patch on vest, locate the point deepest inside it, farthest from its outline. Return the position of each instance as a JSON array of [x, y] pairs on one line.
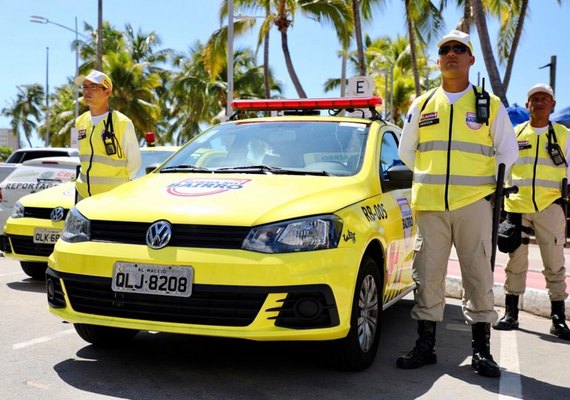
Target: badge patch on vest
[[428, 119], [82, 134], [471, 121], [524, 144]]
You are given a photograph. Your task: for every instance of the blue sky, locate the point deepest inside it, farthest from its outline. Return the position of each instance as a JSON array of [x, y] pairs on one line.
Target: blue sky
[[313, 47]]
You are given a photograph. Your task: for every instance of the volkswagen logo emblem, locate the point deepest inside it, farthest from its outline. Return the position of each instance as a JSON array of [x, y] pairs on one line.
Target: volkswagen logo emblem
[[57, 214], [158, 235]]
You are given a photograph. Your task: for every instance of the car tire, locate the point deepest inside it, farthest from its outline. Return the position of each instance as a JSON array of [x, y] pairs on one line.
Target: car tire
[[358, 349], [104, 335], [35, 270]]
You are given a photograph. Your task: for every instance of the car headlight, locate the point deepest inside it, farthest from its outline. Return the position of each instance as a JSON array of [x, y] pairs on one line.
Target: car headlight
[[77, 228], [314, 233], [18, 210]]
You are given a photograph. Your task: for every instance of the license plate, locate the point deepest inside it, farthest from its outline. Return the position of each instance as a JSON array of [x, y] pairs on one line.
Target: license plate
[[49, 236], [164, 280]]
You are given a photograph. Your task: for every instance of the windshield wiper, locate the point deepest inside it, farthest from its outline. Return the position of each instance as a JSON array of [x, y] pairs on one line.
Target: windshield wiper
[[184, 168], [268, 169], [48, 180]]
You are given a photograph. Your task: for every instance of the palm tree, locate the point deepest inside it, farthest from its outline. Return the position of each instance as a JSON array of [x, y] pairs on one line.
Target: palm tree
[[282, 14], [424, 21], [362, 10], [25, 111]]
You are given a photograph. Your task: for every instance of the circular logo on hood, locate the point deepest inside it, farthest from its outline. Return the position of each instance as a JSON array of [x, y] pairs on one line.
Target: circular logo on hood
[[158, 235], [57, 214]]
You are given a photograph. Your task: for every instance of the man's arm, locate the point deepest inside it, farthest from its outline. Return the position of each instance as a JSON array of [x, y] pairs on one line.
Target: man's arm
[[504, 140], [132, 150], [410, 137]]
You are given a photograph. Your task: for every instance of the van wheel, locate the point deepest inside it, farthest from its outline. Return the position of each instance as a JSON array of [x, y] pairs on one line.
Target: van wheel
[[35, 270], [104, 335], [358, 349]]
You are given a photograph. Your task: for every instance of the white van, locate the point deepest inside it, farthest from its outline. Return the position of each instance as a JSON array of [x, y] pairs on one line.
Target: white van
[[33, 176]]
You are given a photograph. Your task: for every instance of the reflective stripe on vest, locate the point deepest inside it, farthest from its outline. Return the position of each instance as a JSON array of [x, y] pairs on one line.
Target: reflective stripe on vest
[[455, 158], [538, 179]]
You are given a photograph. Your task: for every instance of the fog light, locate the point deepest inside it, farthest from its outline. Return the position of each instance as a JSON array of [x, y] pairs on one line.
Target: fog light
[[307, 308], [50, 289]]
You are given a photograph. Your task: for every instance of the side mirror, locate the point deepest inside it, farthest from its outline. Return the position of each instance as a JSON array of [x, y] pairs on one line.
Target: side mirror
[[149, 168], [398, 177]]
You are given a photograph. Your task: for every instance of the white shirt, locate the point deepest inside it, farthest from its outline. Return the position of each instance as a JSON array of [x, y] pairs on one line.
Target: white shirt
[[501, 130]]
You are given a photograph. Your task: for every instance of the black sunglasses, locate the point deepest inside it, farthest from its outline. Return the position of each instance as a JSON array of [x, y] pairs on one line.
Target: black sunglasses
[[457, 49]]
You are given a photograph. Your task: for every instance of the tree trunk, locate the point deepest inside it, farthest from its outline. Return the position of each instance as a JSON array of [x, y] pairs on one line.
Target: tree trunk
[[266, 82], [289, 65], [487, 50], [413, 55], [358, 35], [514, 45]]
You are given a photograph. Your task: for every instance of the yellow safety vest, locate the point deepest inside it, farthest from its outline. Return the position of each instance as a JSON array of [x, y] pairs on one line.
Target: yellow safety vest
[[538, 179], [455, 159], [100, 172]]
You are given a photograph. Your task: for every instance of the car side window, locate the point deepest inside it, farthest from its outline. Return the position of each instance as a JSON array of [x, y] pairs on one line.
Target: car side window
[[393, 173], [389, 153]]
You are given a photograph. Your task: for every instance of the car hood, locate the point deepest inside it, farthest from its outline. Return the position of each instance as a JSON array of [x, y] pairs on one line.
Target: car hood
[[225, 199], [57, 196]]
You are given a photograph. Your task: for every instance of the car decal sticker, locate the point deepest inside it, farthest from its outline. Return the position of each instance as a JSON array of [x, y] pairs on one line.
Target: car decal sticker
[[376, 212], [205, 186], [407, 219], [349, 236]]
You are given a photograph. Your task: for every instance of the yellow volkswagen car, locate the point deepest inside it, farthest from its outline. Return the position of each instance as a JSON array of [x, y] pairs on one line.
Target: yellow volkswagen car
[[289, 227], [37, 219]]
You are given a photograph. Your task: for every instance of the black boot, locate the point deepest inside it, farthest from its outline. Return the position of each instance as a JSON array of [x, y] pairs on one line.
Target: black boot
[[424, 351], [559, 327], [510, 320], [482, 360]]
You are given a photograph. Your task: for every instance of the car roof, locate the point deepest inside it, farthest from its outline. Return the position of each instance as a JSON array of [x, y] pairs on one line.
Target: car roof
[[53, 161]]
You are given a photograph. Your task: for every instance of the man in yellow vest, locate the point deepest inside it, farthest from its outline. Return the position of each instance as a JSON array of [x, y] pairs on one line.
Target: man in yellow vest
[[454, 148], [108, 146], [542, 165]]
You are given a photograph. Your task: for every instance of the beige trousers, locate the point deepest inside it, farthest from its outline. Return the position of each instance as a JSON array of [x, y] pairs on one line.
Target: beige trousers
[[549, 228], [469, 230]]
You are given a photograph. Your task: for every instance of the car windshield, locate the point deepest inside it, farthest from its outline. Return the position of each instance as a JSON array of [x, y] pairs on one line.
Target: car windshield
[[152, 157], [311, 147]]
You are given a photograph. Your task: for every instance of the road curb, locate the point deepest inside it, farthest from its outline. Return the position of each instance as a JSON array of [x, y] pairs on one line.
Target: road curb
[[532, 301]]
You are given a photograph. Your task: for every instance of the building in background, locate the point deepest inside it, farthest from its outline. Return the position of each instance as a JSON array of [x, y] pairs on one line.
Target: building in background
[[8, 139]]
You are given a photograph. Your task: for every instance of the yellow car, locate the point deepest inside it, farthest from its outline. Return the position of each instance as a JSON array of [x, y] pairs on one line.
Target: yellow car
[[294, 227], [37, 219]]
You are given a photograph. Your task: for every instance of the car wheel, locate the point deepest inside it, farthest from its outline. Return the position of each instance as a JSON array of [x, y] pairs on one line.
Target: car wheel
[[104, 335], [358, 349], [35, 270]]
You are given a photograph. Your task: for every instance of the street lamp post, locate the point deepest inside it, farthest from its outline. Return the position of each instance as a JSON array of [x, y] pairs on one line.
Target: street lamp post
[[47, 96], [76, 44], [230, 90]]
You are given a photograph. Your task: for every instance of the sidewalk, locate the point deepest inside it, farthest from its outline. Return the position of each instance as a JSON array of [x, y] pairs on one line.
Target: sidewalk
[[535, 300]]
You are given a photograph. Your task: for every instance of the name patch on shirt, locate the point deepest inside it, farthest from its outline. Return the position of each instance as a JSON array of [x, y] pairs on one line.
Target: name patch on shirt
[[524, 144], [428, 119], [471, 121], [82, 134]]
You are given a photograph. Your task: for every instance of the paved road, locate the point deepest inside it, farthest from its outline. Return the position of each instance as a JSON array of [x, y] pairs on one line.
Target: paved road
[[43, 358]]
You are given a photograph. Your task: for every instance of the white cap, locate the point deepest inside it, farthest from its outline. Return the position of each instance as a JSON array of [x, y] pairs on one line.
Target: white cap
[[458, 36], [95, 77], [540, 88]]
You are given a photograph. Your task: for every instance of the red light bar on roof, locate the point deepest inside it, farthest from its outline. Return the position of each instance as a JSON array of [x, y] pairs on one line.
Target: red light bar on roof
[[306, 104]]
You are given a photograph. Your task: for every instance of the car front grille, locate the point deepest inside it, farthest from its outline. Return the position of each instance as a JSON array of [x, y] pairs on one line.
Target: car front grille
[[42, 213], [208, 305], [25, 245], [204, 236]]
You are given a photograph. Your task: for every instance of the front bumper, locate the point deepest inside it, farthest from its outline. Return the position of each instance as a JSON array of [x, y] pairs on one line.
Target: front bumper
[[302, 296]]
